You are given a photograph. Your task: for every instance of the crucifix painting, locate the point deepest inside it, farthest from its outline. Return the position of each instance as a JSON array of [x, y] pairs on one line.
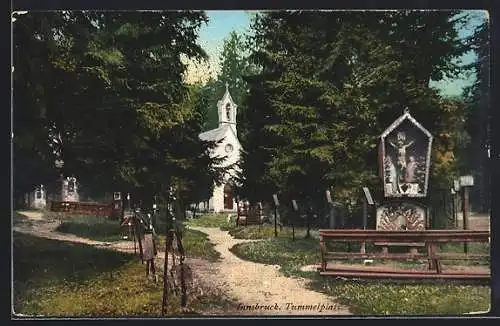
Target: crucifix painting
[[405, 158]]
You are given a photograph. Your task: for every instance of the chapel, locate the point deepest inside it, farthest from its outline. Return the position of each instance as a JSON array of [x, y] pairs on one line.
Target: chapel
[[222, 199]]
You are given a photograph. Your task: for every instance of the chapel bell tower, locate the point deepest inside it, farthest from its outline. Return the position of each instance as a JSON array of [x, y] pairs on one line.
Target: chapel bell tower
[[227, 110]]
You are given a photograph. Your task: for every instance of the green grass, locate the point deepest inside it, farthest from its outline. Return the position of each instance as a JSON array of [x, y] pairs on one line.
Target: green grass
[[212, 221], [264, 231], [364, 297], [92, 227], [196, 244], [290, 255], [381, 298], [56, 278]]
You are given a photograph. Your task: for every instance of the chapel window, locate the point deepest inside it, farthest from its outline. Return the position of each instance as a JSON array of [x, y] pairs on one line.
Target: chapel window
[[228, 112]]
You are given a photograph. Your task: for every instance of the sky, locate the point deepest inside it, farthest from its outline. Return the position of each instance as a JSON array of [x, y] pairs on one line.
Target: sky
[[211, 38], [221, 23]]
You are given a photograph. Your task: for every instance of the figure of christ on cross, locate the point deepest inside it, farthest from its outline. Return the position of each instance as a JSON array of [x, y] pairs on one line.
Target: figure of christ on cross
[[401, 147]]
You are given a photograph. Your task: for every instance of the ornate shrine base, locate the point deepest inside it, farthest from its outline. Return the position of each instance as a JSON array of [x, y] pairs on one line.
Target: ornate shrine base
[[401, 215]]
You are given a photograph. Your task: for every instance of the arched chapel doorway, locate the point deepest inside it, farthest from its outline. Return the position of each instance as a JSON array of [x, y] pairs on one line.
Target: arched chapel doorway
[[228, 196]]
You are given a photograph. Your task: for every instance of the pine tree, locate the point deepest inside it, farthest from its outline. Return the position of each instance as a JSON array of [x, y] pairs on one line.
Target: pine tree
[[333, 81], [477, 97], [111, 83]]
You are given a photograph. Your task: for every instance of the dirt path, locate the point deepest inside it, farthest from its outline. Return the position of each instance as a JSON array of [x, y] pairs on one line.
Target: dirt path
[[36, 225], [254, 284], [258, 289]]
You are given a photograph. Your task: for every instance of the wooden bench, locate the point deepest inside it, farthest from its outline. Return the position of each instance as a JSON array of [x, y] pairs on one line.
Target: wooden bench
[[81, 208], [430, 238]]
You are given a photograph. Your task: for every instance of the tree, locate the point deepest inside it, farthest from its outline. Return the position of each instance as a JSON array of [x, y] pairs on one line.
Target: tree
[[42, 92], [475, 156], [114, 91], [333, 82], [234, 65]]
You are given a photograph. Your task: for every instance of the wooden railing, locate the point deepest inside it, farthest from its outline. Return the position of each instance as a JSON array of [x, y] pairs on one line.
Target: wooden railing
[[81, 208], [431, 239]]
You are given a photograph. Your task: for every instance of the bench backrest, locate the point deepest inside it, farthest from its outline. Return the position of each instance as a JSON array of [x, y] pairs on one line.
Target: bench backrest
[[441, 236]]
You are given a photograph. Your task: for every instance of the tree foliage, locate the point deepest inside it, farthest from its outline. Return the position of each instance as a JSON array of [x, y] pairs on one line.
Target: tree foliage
[[330, 83], [111, 84], [234, 65], [478, 117]]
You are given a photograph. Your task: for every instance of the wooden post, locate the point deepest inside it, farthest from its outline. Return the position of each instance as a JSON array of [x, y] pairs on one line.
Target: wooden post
[[465, 212], [332, 217], [138, 233], [365, 219], [332, 211], [181, 262], [165, 277], [276, 204], [323, 260], [275, 221], [453, 215], [164, 304], [297, 215]]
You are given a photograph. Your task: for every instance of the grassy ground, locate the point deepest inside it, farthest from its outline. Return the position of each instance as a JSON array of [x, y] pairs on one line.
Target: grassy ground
[[264, 231], [212, 221], [56, 278], [363, 297], [196, 244], [92, 227]]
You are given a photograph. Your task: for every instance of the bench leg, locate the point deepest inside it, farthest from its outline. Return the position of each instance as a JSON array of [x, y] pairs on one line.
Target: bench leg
[[363, 248], [434, 263], [437, 263]]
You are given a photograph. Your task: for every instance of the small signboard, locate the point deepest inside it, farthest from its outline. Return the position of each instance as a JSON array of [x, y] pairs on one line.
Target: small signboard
[[295, 206], [276, 201], [368, 196], [329, 197], [466, 181]]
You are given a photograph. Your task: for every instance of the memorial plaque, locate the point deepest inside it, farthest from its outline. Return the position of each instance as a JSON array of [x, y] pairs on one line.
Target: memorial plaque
[[275, 198], [368, 196], [329, 197], [405, 158]]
